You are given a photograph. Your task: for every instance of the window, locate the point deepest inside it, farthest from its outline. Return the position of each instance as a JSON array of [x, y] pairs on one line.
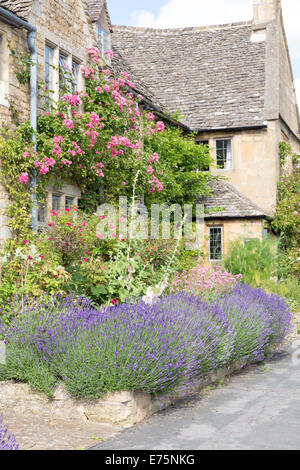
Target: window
[[202, 142], [215, 243], [41, 214], [49, 55], [55, 202], [69, 202], [65, 74], [223, 154], [103, 41], [75, 76]]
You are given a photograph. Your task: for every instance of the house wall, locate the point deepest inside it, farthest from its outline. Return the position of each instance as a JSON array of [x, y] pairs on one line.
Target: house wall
[[66, 26], [287, 95], [63, 24], [234, 229], [255, 169], [14, 98]]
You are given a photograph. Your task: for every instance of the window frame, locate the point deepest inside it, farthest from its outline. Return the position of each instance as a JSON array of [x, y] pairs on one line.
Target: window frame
[[103, 38], [49, 64], [226, 167], [221, 228]]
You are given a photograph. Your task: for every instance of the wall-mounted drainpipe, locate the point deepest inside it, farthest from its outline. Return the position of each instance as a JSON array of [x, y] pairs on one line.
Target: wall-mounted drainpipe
[[13, 20], [33, 114]]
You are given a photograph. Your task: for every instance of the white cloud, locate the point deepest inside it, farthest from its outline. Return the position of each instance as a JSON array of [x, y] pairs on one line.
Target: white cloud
[[181, 13]]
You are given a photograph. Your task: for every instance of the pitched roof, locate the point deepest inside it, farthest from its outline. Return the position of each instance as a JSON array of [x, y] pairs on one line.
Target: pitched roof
[[230, 201], [214, 75], [20, 8], [121, 65], [95, 8]]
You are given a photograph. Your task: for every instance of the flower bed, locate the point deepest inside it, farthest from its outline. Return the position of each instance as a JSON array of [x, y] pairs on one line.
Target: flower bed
[[138, 347]]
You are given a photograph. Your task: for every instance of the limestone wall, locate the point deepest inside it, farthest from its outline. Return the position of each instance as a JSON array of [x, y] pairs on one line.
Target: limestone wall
[[255, 170], [233, 229], [65, 25]]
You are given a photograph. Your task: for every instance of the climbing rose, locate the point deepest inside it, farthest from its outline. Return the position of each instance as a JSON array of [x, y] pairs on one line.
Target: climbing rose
[[23, 178], [160, 127], [110, 53]]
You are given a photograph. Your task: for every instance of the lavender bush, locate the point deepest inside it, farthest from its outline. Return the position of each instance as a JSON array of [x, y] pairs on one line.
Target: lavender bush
[[260, 322], [135, 346], [7, 441]]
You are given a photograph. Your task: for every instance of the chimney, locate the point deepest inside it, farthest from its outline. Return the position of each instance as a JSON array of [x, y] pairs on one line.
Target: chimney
[[265, 11]]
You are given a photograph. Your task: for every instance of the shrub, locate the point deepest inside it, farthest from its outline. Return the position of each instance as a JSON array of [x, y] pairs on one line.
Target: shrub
[[7, 441], [260, 322], [204, 281], [131, 346], [136, 346], [256, 260]]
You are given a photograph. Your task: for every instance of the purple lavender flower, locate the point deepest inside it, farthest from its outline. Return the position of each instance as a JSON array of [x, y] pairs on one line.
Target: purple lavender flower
[[7, 441]]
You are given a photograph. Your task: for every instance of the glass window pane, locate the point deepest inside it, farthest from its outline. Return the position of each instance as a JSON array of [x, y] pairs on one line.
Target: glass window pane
[[69, 202], [65, 74], [75, 76], [49, 53], [55, 202], [215, 244], [41, 216], [223, 154]]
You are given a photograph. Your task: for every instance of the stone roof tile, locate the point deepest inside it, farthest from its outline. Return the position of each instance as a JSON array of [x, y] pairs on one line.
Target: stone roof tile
[[214, 75], [232, 203], [20, 8]]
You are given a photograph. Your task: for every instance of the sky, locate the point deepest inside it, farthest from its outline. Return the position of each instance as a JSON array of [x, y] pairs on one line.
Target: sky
[[181, 13]]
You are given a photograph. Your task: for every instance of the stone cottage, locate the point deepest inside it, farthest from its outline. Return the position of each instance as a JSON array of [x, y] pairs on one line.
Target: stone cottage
[[233, 85]]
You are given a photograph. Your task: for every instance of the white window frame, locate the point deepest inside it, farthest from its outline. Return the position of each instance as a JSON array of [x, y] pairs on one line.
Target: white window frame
[[4, 69], [69, 60], [228, 166], [210, 228]]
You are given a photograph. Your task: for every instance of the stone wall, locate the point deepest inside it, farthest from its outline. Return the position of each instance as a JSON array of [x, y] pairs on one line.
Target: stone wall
[[233, 229], [124, 408], [255, 169], [66, 25]]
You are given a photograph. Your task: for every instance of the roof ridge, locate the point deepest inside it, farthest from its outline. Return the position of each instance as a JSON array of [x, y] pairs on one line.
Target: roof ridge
[[187, 28]]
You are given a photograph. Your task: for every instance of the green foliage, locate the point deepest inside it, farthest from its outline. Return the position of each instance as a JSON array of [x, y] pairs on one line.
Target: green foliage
[[262, 264], [181, 159], [22, 65], [256, 260]]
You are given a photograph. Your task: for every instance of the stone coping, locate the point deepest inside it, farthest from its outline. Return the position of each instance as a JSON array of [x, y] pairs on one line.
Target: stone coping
[[121, 409]]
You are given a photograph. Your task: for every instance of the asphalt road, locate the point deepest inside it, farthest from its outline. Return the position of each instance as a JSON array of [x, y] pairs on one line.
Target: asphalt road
[[258, 408]]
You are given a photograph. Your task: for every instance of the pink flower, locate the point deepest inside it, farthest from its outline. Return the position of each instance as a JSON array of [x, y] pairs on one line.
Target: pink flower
[[110, 53], [124, 183], [44, 170], [68, 123], [106, 88], [160, 127], [23, 178], [25, 242], [26, 154]]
